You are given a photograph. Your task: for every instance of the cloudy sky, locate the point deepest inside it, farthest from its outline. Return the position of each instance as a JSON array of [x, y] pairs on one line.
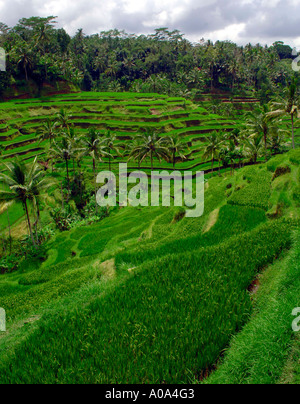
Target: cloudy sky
[[242, 21]]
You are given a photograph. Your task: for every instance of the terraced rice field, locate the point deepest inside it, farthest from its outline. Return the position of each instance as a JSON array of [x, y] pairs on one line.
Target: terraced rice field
[[142, 298], [125, 114]]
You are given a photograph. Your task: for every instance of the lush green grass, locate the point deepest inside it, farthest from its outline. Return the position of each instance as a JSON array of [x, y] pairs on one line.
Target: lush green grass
[[147, 296], [231, 221], [11, 215], [170, 320], [258, 354]]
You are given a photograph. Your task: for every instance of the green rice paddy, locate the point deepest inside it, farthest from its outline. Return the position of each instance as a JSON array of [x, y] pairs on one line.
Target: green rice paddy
[[147, 295]]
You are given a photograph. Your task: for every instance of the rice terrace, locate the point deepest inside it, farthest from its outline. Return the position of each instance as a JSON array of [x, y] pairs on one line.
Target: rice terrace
[[129, 293]]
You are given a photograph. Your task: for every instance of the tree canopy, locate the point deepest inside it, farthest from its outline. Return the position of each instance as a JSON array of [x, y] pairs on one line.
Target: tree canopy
[[37, 50]]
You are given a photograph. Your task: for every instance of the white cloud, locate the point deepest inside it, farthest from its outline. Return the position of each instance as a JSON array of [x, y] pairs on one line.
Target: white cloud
[[241, 21]]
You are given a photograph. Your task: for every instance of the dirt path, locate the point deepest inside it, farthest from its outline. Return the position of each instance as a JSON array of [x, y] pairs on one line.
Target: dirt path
[[212, 220]]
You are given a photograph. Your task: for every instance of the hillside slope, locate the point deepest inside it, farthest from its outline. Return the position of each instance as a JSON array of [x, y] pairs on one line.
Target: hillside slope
[[143, 298]]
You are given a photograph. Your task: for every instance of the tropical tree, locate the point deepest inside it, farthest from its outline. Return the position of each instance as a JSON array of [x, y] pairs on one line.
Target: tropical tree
[[177, 148], [288, 105], [24, 58], [112, 146], [42, 36], [150, 146], [278, 142], [259, 123], [94, 145], [48, 131], [253, 147], [63, 150], [212, 149], [74, 138], [233, 154], [25, 184], [63, 119]]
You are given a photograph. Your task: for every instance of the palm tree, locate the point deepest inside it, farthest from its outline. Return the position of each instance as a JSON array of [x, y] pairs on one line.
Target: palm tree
[[2, 149], [111, 146], [134, 150], [63, 151], [289, 105], [71, 135], [176, 147], [25, 184], [212, 149], [42, 36], [24, 58], [277, 143], [95, 146], [233, 154], [151, 146], [63, 119], [48, 131], [253, 147], [259, 123]]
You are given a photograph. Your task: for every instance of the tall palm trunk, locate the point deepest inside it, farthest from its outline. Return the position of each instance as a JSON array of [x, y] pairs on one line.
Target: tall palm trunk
[[67, 168], [26, 74], [37, 221], [293, 131], [95, 184], [266, 145], [29, 223]]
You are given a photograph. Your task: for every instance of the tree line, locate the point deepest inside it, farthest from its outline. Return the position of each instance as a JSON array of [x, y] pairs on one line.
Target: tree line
[[163, 62]]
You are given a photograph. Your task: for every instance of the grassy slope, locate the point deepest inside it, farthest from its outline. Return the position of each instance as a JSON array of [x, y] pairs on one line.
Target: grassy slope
[[257, 355], [168, 319]]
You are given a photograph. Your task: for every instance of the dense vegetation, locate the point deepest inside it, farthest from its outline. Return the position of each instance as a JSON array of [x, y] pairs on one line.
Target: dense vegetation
[[164, 62], [167, 319], [146, 294]]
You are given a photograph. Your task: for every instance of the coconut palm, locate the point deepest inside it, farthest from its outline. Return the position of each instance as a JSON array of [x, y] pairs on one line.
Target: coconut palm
[[48, 131], [260, 123], [253, 147], [24, 55], [134, 150], [111, 146], [63, 119], [288, 105], [74, 138], [150, 146], [94, 145], [278, 141], [25, 184], [176, 147], [42, 36], [63, 150], [212, 149]]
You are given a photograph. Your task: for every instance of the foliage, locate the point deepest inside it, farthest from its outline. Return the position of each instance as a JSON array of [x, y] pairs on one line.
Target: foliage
[[118, 61], [150, 323]]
